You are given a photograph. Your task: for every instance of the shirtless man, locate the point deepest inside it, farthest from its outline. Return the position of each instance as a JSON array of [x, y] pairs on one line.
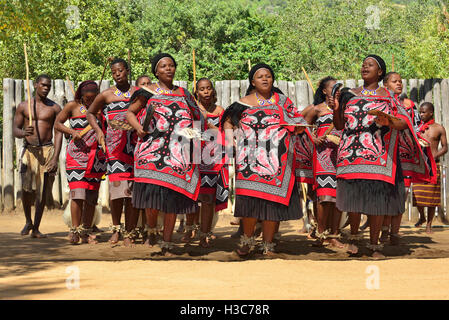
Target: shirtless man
[[429, 195], [39, 159]]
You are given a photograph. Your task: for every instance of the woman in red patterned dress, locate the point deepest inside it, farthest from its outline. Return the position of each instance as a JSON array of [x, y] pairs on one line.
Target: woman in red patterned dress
[[120, 143], [167, 177], [375, 153], [214, 189], [266, 190], [85, 161], [324, 161]]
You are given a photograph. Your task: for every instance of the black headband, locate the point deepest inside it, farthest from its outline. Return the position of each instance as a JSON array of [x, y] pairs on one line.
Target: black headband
[[158, 58], [380, 63], [253, 71]]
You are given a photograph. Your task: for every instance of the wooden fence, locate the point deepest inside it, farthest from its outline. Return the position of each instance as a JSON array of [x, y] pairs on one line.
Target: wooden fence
[[228, 91]]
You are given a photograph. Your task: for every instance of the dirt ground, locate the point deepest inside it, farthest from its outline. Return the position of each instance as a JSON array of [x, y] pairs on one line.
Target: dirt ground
[[47, 268]]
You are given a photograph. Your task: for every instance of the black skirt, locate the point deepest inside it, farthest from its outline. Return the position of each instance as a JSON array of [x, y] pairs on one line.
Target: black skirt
[[372, 197], [261, 209], [146, 195]]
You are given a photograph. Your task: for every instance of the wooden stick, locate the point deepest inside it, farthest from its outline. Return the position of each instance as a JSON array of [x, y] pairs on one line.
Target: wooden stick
[[28, 83], [70, 85], [392, 62], [194, 71], [129, 66], [308, 80], [304, 194], [249, 65], [104, 70]]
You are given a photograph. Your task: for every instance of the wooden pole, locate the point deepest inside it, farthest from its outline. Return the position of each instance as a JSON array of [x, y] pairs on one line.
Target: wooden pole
[[194, 71], [308, 80], [104, 70], [28, 83], [8, 144], [70, 85], [129, 66], [249, 65], [392, 62]]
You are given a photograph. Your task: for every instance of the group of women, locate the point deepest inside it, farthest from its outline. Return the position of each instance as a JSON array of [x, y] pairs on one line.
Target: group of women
[[167, 152]]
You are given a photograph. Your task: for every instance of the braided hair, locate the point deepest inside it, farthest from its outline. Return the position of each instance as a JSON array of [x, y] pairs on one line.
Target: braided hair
[[319, 96]]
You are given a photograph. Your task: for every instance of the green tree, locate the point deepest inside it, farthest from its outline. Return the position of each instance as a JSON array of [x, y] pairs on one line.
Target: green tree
[[427, 49]]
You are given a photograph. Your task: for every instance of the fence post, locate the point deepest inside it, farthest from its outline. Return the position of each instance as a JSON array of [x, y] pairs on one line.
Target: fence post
[[19, 145], [413, 83], [8, 144], [226, 93], [350, 83], [437, 100], [219, 89], [235, 91], [421, 91], [302, 95], [291, 91], [283, 86], [404, 87], [244, 84]]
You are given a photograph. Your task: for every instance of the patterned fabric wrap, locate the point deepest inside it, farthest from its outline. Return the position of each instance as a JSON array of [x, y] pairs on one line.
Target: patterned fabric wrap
[[214, 172], [85, 160], [265, 151], [368, 151], [163, 157], [427, 194], [325, 159], [303, 144], [120, 144]]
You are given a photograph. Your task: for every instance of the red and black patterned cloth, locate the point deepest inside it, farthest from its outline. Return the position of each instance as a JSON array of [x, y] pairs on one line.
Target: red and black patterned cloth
[[85, 160], [120, 144], [325, 159]]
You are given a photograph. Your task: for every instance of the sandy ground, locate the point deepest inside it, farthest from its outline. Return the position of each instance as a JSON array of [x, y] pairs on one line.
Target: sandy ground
[[49, 268]]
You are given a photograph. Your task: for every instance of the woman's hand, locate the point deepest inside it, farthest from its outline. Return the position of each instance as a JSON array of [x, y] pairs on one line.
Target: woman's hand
[[141, 133], [319, 140], [382, 120]]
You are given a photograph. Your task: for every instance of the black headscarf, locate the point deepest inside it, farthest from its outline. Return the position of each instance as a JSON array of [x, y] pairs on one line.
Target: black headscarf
[[381, 64], [253, 71], [158, 58]]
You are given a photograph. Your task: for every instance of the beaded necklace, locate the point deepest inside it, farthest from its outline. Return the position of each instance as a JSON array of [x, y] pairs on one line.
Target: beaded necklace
[[264, 102], [163, 91], [367, 92], [120, 93], [83, 108]]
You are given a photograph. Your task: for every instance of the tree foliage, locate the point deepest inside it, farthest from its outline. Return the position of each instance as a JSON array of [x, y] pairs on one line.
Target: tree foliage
[[323, 36]]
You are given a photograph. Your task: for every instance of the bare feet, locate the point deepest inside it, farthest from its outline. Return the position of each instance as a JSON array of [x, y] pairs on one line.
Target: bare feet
[[336, 244], [89, 238], [377, 255], [166, 252], [188, 236], [429, 229], [128, 242], [420, 222], [115, 237], [26, 229], [243, 251], [73, 238], [352, 249], [37, 234]]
